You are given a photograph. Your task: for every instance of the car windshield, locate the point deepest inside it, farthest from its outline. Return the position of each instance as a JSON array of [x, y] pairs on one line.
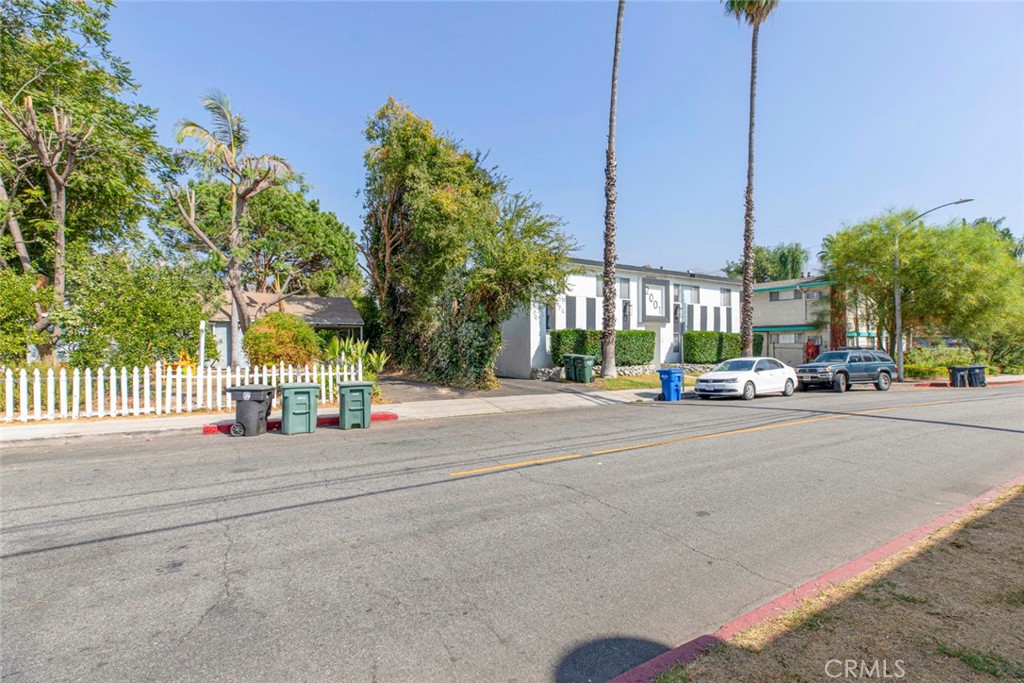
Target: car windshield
[[734, 366], [832, 357]]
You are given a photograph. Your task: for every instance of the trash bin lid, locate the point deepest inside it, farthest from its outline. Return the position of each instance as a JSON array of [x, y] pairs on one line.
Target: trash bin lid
[[355, 384], [298, 385], [250, 392], [668, 372]]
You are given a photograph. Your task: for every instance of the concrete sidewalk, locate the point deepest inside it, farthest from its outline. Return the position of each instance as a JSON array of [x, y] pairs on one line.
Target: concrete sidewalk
[[417, 410]]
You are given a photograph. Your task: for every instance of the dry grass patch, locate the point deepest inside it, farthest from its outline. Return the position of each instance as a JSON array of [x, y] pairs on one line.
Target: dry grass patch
[[649, 381], [949, 608]]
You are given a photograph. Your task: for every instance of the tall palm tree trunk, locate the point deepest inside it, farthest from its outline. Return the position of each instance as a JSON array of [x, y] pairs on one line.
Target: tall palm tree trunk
[[747, 298], [608, 368]]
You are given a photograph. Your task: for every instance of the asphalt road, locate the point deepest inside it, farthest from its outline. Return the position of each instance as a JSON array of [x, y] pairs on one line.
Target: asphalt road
[[358, 556]]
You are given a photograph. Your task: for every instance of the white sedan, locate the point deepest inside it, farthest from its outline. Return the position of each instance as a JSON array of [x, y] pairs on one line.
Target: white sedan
[[747, 377]]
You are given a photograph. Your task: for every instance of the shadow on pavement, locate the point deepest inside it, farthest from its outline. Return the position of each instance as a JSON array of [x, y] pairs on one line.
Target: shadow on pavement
[[606, 658]]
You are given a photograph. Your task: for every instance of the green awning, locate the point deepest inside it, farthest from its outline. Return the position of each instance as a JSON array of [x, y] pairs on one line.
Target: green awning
[[802, 285], [786, 328]]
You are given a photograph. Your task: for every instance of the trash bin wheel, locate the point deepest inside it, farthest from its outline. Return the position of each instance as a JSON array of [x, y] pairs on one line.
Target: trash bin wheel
[[238, 429]]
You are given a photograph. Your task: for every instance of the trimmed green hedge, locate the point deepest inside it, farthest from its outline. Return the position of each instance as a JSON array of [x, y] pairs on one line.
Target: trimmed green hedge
[[714, 347], [632, 347]]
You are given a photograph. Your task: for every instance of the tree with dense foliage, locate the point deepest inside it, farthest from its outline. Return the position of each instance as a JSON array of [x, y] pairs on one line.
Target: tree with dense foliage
[[450, 252], [74, 149], [222, 155], [781, 262], [281, 338], [18, 304], [291, 245], [135, 309], [755, 12], [608, 368], [960, 280]]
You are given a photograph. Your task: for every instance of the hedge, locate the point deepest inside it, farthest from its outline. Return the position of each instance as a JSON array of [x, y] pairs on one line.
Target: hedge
[[714, 347], [632, 347]]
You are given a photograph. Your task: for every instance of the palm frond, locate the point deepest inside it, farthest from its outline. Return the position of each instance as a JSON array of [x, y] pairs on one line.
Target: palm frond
[[276, 166], [229, 127], [754, 11]]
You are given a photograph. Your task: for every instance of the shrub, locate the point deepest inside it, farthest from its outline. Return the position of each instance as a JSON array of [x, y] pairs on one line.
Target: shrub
[[281, 338], [713, 347], [632, 347]]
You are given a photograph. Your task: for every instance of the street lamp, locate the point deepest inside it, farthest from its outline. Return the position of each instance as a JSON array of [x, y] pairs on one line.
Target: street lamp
[[896, 284]]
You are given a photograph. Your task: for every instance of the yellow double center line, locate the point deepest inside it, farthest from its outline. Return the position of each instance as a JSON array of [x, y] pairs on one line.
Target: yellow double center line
[[669, 442]]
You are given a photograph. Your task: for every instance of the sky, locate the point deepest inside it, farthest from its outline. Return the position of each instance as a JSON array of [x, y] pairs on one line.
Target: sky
[[861, 106]]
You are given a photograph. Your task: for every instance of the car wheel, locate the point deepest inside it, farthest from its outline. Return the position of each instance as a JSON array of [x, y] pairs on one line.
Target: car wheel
[[840, 384], [884, 381], [748, 391], [703, 397], [788, 390]]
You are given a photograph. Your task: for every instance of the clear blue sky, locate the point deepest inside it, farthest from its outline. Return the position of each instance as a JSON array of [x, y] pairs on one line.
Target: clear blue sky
[[861, 106]]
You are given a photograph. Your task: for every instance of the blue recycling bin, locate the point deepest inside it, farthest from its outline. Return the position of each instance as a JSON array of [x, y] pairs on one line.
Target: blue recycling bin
[[671, 384]]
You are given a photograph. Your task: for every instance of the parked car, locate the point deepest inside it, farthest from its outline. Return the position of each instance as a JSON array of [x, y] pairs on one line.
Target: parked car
[[842, 369], [747, 377]]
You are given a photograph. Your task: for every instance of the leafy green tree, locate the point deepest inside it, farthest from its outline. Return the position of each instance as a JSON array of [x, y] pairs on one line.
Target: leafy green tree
[[423, 198], [74, 150], [781, 262], [135, 309], [755, 12], [450, 252], [281, 338], [291, 245], [957, 280], [608, 368], [222, 155], [18, 305]]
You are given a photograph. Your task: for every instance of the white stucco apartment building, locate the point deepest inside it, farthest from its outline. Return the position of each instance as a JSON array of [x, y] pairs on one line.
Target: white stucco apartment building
[[666, 302]]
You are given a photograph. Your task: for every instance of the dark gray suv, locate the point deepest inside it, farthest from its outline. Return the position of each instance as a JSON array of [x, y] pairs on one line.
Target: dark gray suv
[[841, 369]]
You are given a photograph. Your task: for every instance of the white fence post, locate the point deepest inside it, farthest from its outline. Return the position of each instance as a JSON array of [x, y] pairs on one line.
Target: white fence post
[[135, 390], [63, 393], [177, 388], [113, 392], [124, 390], [49, 394], [76, 393], [188, 389], [220, 388], [88, 392], [145, 390], [99, 393], [9, 395]]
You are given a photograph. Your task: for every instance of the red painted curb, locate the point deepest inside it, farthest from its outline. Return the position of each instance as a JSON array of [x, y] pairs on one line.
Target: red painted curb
[[689, 651], [274, 424]]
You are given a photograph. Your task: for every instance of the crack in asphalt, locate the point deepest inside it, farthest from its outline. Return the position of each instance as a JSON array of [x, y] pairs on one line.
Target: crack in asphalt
[[226, 588], [655, 529]]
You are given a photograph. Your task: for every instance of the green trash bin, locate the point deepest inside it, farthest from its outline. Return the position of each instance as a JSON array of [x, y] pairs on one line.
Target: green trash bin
[[354, 404], [584, 369], [569, 362], [298, 407]]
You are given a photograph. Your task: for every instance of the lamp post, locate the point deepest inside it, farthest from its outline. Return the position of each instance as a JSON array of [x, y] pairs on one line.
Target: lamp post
[[896, 284]]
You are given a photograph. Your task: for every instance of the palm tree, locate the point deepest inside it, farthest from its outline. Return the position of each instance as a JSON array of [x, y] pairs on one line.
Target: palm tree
[[222, 154], [608, 322], [755, 12]]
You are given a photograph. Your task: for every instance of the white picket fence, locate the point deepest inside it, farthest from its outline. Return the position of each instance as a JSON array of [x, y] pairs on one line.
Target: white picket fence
[[160, 390]]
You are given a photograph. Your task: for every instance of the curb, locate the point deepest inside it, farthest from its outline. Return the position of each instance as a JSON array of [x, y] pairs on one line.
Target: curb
[[689, 651], [274, 424], [945, 385]]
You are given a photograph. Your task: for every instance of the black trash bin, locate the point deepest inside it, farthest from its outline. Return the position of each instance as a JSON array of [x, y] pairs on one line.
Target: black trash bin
[[957, 375], [252, 408], [976, 376]]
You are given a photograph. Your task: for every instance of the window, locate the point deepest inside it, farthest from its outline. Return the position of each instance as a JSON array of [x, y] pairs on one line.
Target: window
[[798, 294], [726, 297], [677, 293], [773, 364], [599, 292], [813, 295], [773, 296], [692, 294], [623, 283]]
